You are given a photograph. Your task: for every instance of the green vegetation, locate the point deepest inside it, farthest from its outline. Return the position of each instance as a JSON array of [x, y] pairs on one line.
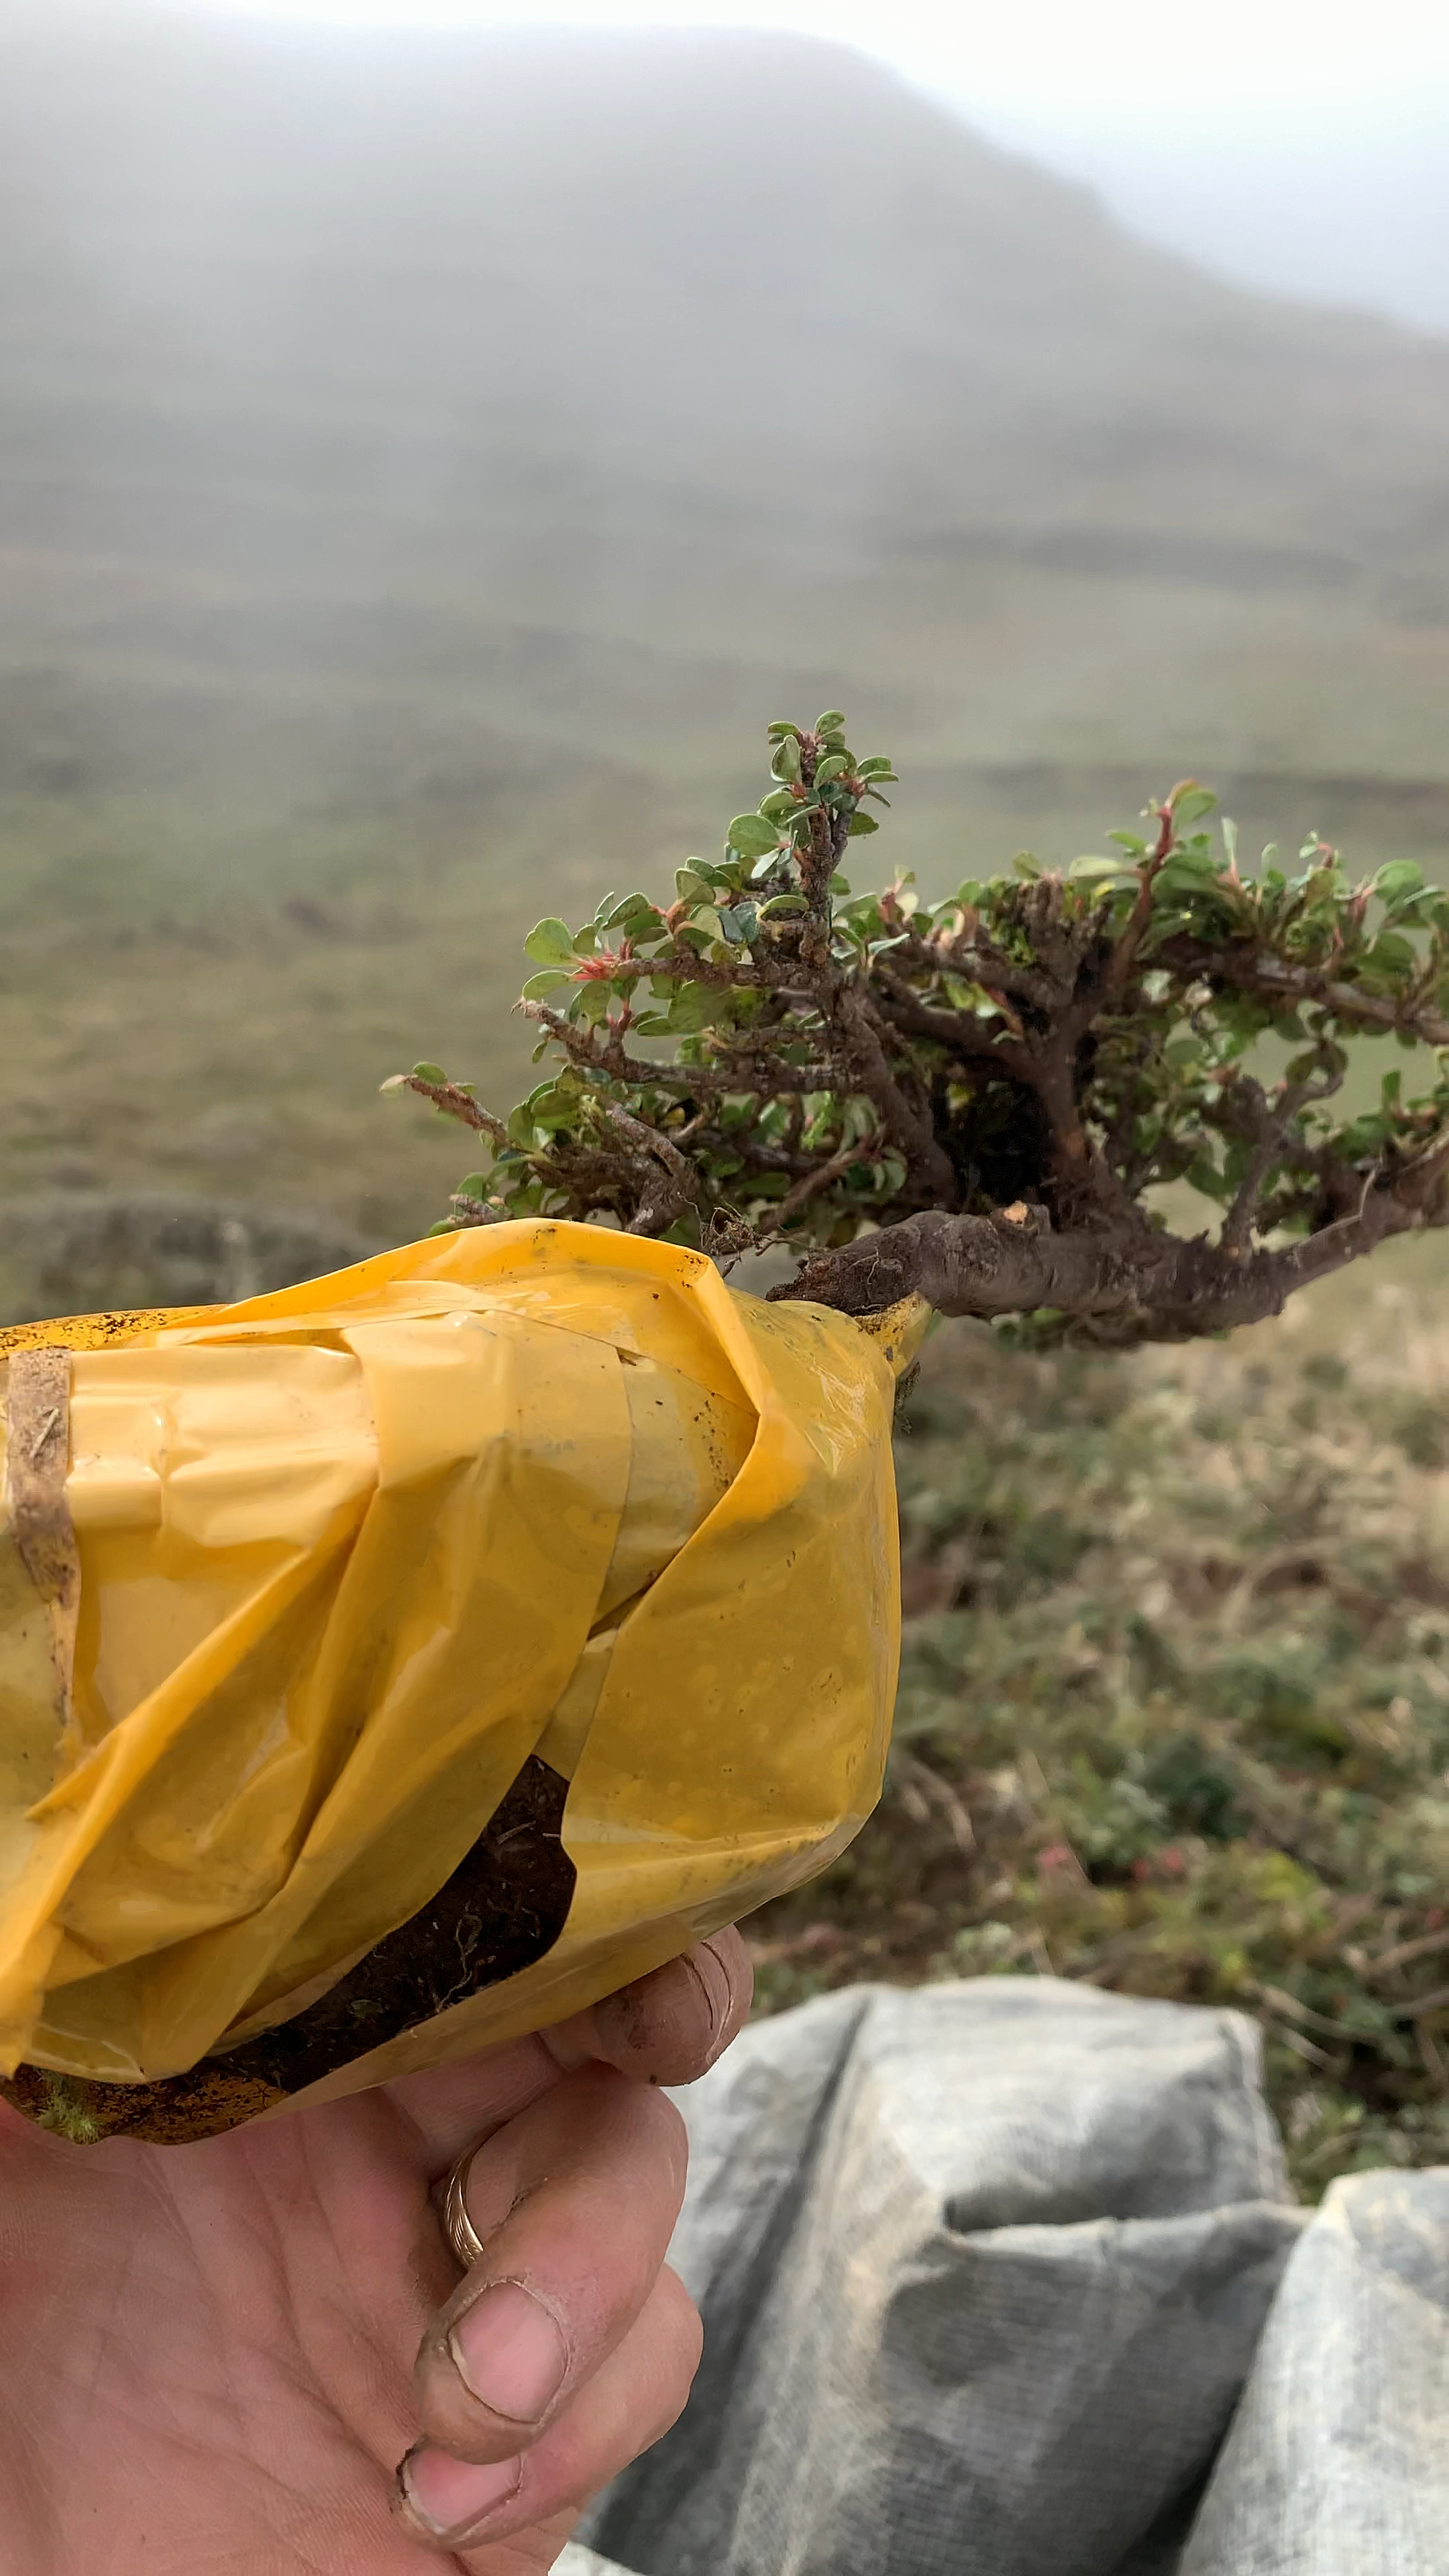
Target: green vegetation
[[1174, 1711], [982, 1100]]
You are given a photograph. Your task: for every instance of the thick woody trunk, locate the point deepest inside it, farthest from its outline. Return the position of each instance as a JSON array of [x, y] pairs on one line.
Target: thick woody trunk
[[1122, 1284]]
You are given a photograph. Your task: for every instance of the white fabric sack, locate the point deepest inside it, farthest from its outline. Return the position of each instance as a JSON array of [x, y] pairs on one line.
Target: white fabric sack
[[1338, 2460], [983, 2268]]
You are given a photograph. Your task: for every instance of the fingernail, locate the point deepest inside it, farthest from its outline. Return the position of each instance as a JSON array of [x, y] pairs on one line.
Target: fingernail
[[510, 2353], [660, 2018], [449, 2496], [712, 1978]]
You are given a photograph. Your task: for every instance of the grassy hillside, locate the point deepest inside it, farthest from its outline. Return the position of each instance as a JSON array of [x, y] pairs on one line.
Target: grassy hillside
[[425, 461], [1174, 1714]]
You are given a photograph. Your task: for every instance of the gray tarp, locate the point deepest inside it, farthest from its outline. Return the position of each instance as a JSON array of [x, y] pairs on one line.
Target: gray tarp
[[985, 2271]]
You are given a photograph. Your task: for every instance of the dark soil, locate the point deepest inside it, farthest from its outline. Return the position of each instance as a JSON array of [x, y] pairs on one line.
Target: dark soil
[[503, 1908]]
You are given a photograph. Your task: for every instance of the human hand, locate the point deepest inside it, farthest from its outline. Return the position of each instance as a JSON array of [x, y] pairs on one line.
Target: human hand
[[213, 2356]]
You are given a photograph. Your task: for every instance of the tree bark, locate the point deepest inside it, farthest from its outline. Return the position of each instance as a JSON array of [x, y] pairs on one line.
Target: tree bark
[[1123, 1283]]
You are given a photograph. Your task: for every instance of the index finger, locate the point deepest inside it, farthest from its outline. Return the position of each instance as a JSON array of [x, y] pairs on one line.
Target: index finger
[[666, 2028]]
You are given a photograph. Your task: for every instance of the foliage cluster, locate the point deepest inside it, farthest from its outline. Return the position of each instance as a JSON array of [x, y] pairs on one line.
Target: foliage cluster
[[771, 1057]]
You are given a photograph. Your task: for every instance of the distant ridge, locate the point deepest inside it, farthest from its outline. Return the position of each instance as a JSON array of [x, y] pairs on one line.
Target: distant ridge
[[385, 343]]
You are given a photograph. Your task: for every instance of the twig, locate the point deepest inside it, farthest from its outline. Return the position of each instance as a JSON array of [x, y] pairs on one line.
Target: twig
[[1423, 2005], [454, 1101], [679, 1188], [909, 1127], [1404, 1953], [1431, 2056], [824, 1176], [1247, 968], [938, 1793], [1139, 920], [1274, 1121], [964, 1034], [1287, 2007]]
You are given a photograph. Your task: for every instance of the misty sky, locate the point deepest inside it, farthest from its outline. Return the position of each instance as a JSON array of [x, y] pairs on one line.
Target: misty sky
[[1295, 144]]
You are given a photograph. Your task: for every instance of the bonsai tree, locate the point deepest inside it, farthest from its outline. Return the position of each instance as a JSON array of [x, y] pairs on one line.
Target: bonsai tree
[[980, 1099]]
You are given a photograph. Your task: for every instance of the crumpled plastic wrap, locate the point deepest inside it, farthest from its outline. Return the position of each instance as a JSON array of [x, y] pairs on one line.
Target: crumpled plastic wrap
[[295, 1593]]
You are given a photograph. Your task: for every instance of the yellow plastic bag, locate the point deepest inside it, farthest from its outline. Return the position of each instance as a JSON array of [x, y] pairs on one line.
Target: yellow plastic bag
[[301, 1589]]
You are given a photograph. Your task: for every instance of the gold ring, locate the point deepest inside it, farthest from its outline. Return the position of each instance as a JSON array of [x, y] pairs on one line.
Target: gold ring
[[463, 2238]]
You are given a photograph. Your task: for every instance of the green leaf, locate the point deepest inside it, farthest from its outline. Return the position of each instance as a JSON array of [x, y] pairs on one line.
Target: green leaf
[[550, 943], [1195, 866], [776, 807], [781, 726], [1398, 883], [786, 762], [737, 921], [833, 766], [860, 824], [538, 986], [752, 836], [694, 1006], [875, 767], [1090, 871], [831, 722], [1131, 842], [429, 1073], [781, 906], [1192, 805], [635, 908], [474, 1185], [691, 887]]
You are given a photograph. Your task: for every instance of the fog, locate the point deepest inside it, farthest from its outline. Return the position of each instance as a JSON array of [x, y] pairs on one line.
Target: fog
[[429, 457], [1341, 206], [1295, 148]]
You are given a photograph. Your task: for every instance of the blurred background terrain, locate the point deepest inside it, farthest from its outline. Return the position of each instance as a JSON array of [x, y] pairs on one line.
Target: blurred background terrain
[[1174, 1708], [427, 460]]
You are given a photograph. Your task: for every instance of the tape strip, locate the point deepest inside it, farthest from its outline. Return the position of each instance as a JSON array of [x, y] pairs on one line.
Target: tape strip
[[37, 1461]]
